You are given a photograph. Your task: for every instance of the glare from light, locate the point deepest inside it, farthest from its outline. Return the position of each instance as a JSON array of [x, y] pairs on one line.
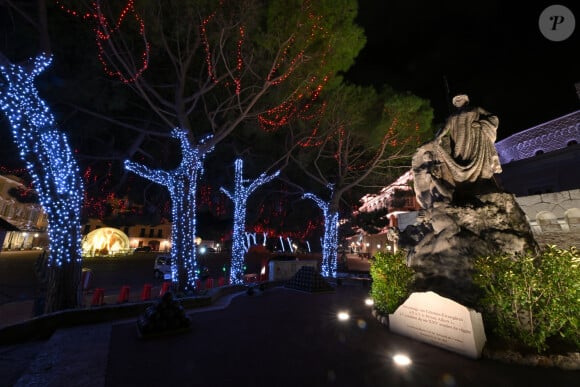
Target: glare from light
[[343, 316], [369, 301], [402, 360]]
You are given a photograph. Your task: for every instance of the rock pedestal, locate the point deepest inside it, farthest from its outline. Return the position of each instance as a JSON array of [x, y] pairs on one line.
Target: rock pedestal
[[449, 236]]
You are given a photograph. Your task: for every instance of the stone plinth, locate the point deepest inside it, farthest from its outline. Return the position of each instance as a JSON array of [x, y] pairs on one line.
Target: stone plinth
[[442, 322]]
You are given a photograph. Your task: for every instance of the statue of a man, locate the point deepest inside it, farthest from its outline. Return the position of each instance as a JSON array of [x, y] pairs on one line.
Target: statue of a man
[[463, 152]]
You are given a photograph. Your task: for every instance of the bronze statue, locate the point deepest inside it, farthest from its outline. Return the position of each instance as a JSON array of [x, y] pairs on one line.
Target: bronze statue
[[463, 152]]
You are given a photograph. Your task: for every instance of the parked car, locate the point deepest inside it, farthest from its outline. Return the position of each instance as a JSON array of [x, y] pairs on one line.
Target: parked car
[[143, 249], [205, 249], [162, 268]]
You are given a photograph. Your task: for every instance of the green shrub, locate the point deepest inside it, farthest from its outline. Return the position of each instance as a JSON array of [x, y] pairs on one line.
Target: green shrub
[[529, 299], [392, 279]]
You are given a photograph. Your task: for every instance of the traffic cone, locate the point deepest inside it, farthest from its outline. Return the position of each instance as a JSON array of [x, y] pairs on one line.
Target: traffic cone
[[123, 294], [146, 292], [209, 283], [98, 297], [165, 287]]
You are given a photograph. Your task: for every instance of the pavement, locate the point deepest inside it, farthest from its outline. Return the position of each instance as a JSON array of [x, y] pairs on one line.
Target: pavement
[[275, 337]]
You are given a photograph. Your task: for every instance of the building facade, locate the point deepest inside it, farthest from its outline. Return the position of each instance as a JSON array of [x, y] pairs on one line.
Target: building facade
[[22, 224]]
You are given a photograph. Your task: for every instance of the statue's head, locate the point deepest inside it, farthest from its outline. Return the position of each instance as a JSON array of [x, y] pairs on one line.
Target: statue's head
[[460, 100]]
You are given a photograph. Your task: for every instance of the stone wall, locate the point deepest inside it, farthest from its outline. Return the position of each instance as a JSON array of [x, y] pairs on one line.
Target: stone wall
[[554, 217]]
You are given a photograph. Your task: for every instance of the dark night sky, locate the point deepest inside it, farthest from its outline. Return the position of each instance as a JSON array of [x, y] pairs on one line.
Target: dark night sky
[[491, 50]]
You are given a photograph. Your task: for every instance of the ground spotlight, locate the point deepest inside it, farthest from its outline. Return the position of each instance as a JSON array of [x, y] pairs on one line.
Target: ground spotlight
[[343, 316], [402, 360]]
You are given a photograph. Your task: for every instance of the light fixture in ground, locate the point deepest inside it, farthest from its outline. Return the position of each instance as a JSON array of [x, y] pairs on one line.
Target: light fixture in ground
[[402, 360], [343, 316]]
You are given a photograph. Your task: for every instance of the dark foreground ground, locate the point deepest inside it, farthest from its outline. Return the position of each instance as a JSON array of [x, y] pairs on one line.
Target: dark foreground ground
[[279, 337]]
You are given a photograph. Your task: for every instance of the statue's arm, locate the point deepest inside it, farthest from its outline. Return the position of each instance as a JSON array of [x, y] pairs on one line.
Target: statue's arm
[[489, 123], [484, 115]]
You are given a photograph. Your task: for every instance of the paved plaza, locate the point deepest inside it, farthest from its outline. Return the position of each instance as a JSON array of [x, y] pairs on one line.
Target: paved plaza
[[276, 337]]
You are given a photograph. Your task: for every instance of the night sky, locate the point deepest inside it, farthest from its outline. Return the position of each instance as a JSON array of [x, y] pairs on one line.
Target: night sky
[[491, 50]]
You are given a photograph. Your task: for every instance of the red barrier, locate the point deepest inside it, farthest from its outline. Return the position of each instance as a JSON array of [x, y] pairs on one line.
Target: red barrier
[[98, 297], [123, 294], [198, 284], [221, 281], [209, 283], [165, 287], [146, 292]]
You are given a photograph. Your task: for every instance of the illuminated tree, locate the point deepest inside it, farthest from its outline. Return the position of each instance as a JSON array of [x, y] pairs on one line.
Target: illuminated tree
[[240, 198], [330, 238], [218, 66], [54, 171], [182, 185], [363, 139]]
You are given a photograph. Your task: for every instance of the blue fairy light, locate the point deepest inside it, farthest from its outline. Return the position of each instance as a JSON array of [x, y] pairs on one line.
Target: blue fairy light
[[329, 264], [240, 197], [182, 186], [47, 155]]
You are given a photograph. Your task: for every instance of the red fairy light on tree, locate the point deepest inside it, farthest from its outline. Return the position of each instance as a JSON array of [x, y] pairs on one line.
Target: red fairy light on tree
[[302, 103], [209, 59], [110, 44]]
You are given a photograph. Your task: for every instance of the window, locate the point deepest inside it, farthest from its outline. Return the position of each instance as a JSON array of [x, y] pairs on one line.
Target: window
[[160, 233], [142, 233]]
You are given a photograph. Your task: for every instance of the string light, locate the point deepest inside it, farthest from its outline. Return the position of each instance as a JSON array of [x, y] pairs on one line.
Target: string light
[[240, 199], [329, 241], [182, 184], [105, 33], [47, 155]]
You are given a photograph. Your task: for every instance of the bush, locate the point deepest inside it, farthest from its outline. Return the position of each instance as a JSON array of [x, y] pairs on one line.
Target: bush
[[529, 299], [392, 280]]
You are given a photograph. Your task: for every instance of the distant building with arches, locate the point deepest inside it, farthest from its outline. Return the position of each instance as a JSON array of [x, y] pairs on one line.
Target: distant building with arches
[[541, 167]]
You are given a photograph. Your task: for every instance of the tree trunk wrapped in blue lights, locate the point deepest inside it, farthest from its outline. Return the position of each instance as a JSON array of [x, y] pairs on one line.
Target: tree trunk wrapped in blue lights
[[329, 265], [182, 184], [55, 175], [240, 199]]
